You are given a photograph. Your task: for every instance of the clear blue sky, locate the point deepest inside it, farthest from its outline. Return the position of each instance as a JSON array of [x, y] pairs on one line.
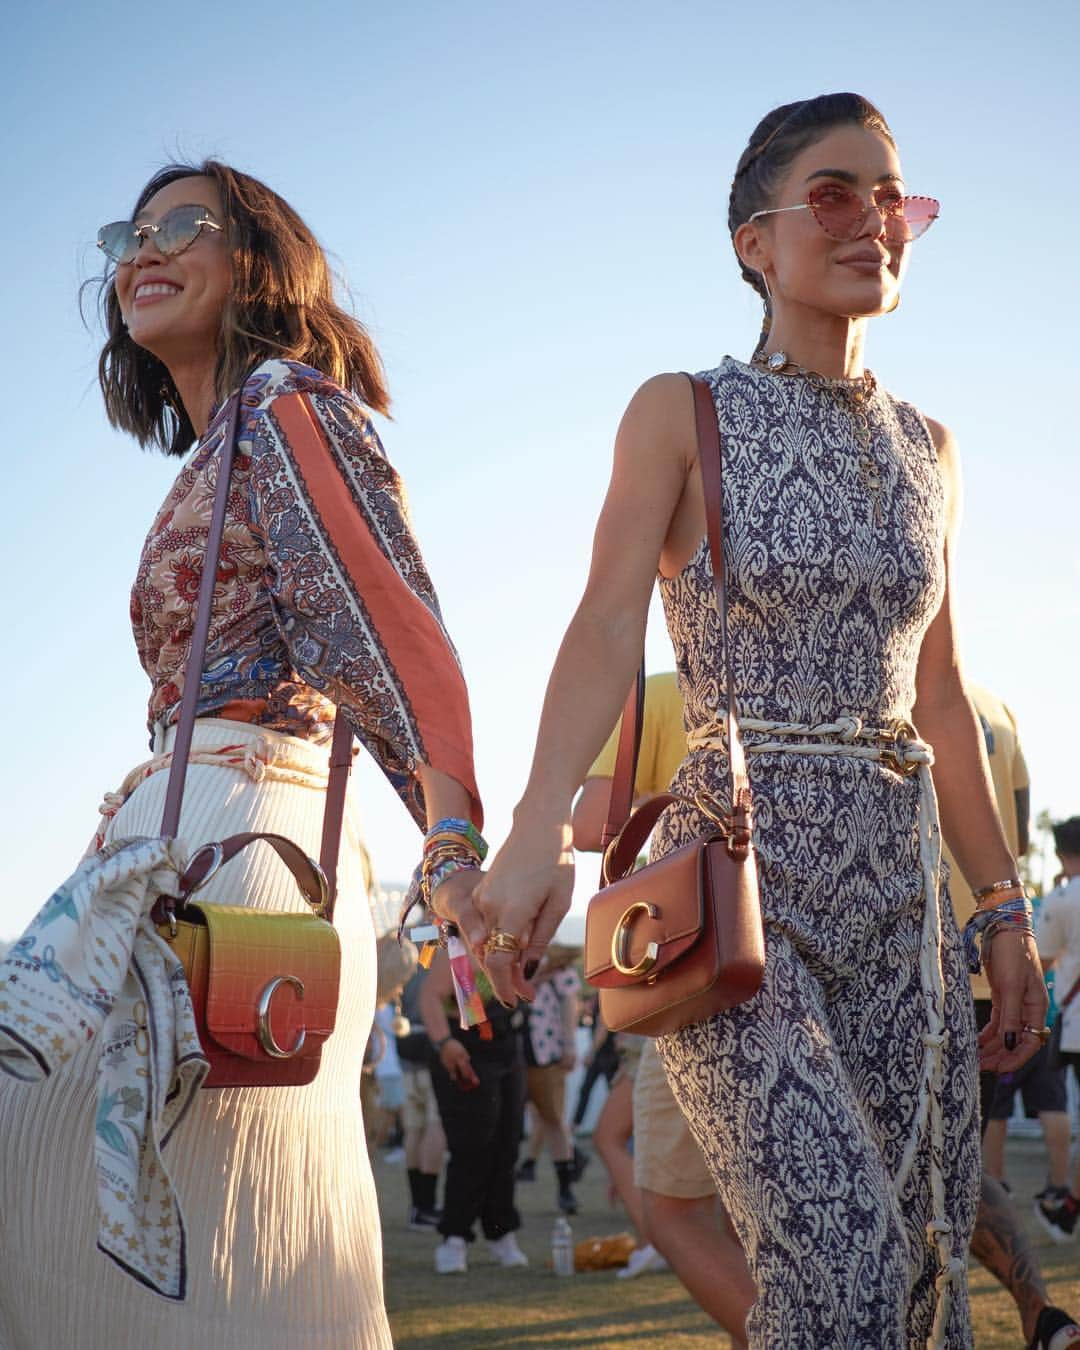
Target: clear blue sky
[[528, 203]]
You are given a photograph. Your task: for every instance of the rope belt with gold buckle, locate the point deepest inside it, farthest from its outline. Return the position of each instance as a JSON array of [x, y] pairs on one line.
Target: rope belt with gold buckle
[[897, 746]]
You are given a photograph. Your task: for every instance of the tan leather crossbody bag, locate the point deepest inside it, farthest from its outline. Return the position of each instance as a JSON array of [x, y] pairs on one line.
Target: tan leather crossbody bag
[[681, 938]]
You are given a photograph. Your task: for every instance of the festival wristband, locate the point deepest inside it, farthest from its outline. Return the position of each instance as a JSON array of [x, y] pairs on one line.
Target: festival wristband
[[470, 1005], [984, 923]]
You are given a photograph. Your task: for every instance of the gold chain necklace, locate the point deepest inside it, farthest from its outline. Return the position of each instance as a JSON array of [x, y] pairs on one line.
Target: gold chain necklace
[[861, 391]]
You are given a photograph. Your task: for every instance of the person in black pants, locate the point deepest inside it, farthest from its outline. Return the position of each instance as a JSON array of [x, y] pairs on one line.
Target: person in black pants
[[479, 1080]]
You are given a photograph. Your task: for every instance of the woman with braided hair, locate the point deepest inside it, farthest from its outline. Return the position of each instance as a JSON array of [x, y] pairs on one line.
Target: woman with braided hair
[[836, 1108]]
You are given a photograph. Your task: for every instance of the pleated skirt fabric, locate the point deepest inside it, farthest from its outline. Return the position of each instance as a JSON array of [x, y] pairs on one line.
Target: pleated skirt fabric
[[283, 1239]]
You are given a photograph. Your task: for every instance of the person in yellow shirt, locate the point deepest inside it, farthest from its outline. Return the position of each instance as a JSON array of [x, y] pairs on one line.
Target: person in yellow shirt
[[663, 749], [1012, 790]]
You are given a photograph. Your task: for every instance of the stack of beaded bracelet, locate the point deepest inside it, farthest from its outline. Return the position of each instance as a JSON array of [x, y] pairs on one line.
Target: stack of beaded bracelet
[[1011, 910], [451, 845]]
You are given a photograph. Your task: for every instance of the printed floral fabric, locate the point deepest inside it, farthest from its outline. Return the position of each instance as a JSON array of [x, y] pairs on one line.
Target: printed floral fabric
[[545, 1024], [831, 588], [91, 966], [322, 596]]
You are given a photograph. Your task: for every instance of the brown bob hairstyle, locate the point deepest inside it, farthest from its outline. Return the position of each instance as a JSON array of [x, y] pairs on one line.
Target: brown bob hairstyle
[[282, 305]]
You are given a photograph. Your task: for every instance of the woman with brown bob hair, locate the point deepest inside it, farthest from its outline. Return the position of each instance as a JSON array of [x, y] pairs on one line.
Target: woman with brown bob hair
[[322, 603]]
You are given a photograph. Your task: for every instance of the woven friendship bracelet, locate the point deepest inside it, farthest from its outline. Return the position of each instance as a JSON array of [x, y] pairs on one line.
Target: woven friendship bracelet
[[984, 923], [459, 829]]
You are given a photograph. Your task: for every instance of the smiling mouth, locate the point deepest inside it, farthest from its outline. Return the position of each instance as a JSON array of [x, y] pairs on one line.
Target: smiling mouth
[[155, 290]]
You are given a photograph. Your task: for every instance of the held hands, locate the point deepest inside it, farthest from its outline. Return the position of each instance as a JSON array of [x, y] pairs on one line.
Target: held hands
[[525, 894], [454, 900], [1020, 1002]]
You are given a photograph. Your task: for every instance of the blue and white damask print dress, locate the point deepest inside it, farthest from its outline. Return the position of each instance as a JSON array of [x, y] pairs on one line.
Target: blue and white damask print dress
[[805, 1099]]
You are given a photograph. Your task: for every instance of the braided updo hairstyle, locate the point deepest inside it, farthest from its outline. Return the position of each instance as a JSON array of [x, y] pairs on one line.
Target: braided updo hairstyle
[[777, 139]]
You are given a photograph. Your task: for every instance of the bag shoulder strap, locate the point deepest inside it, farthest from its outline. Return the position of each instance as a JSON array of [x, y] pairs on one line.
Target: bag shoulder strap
[[341, 746], [710, 456], [621, 800]]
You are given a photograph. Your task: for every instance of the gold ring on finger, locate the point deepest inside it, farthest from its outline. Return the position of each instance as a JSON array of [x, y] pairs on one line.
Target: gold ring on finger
[[501, 941], [1043, 1033]]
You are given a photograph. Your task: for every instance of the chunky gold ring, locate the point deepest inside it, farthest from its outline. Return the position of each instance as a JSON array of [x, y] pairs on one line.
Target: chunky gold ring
[[1043, 1033], [500, 941]]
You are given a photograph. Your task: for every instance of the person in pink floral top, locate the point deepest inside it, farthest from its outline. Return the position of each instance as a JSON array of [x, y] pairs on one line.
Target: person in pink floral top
[[322, 602]]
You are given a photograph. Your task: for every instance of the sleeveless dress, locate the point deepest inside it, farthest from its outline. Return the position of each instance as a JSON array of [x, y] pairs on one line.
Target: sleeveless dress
[[804, 1099], [322, 599]]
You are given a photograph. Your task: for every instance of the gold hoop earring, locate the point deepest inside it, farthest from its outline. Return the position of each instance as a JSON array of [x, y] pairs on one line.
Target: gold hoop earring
[[895, 304]]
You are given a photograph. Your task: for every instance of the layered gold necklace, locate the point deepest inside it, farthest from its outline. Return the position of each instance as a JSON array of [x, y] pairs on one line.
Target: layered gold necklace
[[860, 391]]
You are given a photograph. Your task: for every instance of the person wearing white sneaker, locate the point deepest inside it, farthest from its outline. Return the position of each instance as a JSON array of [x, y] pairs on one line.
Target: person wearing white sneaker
[[506, 1251], [479, 1084], [451, 1257], [642, 1261]]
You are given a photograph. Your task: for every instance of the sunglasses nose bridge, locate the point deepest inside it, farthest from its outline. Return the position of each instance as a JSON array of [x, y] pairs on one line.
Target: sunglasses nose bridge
[[862, 222], [147, 234]]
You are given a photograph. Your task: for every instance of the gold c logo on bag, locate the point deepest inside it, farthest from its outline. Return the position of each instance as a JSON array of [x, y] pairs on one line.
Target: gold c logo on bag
[[620, 941], [266, 1035]]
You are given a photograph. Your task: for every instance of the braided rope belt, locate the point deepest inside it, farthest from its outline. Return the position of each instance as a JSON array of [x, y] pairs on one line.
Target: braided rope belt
[[898, 748]]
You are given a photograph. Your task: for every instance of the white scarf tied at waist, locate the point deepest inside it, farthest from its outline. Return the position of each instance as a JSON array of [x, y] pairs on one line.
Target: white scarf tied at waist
[[91, 965], [899, 748]]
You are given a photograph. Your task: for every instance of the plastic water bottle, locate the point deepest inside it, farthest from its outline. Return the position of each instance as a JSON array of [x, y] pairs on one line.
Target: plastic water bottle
[[562, 1247]]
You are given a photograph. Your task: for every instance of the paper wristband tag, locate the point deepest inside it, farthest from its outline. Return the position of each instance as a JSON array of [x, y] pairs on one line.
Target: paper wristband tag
[[470, 1005]]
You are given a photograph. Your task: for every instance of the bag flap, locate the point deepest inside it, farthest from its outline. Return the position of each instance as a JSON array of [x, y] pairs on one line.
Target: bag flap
[[249, 951], [656, 914]]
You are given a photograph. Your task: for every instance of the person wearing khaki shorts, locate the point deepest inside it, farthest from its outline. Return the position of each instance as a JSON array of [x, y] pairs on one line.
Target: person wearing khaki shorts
[[684, 1218], [667, 1160]]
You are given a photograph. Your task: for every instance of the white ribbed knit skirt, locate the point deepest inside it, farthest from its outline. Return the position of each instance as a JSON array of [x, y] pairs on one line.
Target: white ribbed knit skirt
[[284, 1248]]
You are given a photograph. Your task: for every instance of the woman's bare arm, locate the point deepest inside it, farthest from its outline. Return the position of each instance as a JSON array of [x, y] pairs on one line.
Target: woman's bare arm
[[527, 890], [445, 796], [969, 817]]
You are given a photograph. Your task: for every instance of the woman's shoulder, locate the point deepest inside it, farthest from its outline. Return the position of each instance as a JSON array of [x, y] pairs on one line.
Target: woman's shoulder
[[277, 377], [285, 400]]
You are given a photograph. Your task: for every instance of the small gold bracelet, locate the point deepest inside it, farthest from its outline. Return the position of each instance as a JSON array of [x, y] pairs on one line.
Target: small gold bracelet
[[1000, 898], [1009, 884]]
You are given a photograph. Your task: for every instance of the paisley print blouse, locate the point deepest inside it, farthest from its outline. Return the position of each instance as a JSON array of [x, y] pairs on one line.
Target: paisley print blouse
[[322, 596]]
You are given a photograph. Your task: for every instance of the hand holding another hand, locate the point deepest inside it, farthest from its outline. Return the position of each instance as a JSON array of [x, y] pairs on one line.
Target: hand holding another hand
[[524, 895], [454, 900]]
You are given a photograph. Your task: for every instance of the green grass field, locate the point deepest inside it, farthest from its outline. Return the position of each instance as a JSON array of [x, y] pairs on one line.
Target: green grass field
[[532, 1310]]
